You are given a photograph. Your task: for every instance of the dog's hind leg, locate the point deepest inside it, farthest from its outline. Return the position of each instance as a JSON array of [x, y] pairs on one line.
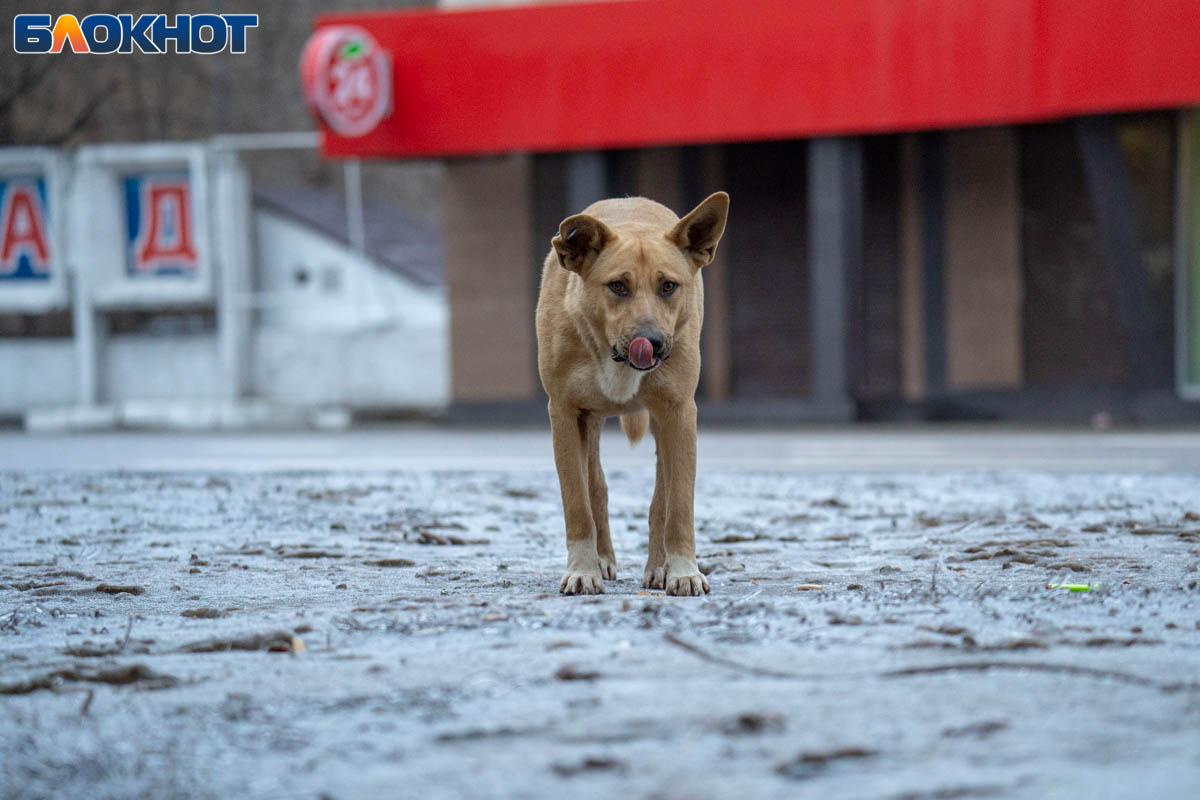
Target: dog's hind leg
[[598, 495], [569, 428], [655, 574]]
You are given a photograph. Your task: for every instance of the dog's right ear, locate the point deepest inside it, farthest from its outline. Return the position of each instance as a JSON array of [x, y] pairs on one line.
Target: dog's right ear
[[580, 240], [697, 234]]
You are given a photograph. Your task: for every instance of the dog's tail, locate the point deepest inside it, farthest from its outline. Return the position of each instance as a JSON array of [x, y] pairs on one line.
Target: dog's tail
[[635, 425]]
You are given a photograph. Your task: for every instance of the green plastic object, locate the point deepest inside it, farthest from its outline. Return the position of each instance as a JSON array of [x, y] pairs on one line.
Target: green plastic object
[[1072, 587]]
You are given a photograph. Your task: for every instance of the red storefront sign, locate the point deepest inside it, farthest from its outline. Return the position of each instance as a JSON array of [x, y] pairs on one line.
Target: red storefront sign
[[659, 72], [347, 79]]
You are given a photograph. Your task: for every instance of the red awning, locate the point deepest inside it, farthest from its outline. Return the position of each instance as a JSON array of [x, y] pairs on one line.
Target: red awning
[[658, 72]]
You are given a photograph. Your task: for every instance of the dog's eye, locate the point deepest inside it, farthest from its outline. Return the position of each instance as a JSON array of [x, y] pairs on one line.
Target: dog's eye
[[668, 287], [619, 288]]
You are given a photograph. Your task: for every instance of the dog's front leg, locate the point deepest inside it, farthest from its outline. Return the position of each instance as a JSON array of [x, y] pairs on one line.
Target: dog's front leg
[[568, 426], [677, 447]]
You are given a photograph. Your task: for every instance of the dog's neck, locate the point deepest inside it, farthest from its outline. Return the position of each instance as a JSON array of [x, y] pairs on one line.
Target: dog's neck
[[618, 381]]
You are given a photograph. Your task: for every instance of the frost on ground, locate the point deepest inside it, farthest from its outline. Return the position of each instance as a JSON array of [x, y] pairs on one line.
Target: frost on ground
[[378, 634]]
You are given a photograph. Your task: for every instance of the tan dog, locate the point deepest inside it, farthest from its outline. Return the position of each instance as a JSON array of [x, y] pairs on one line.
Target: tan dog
[[618, 330]]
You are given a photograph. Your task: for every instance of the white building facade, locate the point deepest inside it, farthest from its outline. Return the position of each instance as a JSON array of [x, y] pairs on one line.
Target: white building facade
[[299, 323]]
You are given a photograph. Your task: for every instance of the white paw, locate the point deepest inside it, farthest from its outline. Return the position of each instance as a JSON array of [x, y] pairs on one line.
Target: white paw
[[582, 582], [654, 577], [608, 568], [685, 579]]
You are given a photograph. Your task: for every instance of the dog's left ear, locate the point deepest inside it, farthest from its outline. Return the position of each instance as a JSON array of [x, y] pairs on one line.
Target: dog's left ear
[[580, 240], [697, 234]]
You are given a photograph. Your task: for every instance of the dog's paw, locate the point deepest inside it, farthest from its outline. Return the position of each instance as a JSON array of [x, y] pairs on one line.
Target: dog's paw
[[654, 577], [687, 585], [608, 568], [685, 579], [577, 582]]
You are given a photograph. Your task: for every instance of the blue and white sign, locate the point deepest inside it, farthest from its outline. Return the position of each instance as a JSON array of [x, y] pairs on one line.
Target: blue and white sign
[[26, 247], [160, 228]]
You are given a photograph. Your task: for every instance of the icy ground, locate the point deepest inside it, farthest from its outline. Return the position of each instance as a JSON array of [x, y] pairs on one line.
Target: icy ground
[[187, 617]]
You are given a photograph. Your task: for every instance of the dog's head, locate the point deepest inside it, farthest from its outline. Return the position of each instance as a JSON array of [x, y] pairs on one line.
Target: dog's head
[[639, 282]]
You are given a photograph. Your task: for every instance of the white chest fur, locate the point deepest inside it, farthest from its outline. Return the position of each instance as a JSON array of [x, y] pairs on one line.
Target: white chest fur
[[619, 382]]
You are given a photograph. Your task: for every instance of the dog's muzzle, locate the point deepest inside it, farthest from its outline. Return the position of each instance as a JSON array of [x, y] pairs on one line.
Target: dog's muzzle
[[643, 353]]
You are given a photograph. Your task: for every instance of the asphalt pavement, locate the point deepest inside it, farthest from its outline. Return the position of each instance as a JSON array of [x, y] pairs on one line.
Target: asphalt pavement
[[375, 614]]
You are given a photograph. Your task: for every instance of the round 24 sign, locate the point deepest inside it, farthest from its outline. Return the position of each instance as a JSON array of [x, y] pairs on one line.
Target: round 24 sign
[[347, 78]]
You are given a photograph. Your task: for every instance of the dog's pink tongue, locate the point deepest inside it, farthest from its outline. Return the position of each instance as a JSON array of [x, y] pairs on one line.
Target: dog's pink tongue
[[641, 353]]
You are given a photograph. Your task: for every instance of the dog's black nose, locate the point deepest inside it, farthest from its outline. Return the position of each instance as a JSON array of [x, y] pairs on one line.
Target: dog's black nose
[[656, 339]]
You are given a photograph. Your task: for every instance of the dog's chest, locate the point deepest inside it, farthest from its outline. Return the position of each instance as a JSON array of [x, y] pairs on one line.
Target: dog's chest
[[618, 382]]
